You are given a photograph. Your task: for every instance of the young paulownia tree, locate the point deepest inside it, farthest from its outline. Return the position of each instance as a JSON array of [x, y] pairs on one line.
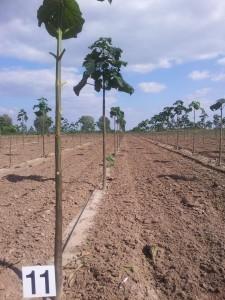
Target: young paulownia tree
[[178, 109], [22, 118], [194, 106], [41, 112], [120, 125], [103, 65], [219, 105], [114, 113], [62, 20]]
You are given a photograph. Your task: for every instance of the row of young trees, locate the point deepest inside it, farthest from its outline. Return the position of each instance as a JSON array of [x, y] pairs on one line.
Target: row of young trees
[[43, 123], [63, 20], [177, 117], [180, 116]]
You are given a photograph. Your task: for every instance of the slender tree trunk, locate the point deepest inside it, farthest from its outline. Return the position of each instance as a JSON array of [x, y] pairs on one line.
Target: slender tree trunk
[[10, 151], [104, 138], [177, 142], [117, 136], [221, 135], [114, 135], [193, 139], [23, 139], [43, 136], [203, 136], [58, 173]]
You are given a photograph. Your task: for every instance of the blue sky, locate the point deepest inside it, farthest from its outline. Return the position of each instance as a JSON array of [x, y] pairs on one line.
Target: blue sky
[[174, 49]]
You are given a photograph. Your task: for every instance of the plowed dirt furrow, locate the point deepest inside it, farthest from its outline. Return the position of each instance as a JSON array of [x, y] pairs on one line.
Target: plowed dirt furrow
[[166, 204], [27, 209]]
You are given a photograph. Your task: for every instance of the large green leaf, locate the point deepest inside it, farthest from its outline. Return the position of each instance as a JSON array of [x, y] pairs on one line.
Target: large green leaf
[[103, 64], [219, 104], [122, 85], [61, 14], [195, 105]]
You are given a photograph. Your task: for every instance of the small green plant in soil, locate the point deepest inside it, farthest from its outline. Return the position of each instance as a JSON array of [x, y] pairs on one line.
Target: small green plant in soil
[[110, 160]]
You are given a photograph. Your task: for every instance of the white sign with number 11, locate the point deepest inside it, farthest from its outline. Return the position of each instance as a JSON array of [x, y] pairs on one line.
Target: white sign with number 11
[[38, 281]]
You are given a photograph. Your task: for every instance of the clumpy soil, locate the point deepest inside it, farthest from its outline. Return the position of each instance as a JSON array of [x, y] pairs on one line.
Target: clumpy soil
[[27, 209], [159, 233], [206, 141], [15, 150]]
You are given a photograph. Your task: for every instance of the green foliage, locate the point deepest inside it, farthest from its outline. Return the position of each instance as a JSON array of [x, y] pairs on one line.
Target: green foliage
[[118, 114], [209, 124], [142, 126], [114, 111], [31, 130], [5, 120], [110, 160], [61, 14], [217, 121], [100, 124], [68, 127], [203, 117], [103, 65], [6, 126], [9, 129], [87, 123], [218, 105], [120, 120], [194, 105], [42, 124], [22, 118], [42, 107]]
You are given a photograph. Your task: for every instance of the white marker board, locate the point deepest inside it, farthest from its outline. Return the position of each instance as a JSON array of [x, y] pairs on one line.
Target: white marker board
[[38, 281]]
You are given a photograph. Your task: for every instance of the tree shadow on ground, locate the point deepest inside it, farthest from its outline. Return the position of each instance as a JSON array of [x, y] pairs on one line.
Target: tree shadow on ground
[[162, 161], [178, 177], [17, 178], [151, 153], [11, 266]]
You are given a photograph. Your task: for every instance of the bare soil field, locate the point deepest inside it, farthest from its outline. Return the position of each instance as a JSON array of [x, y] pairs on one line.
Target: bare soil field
[[15, 150], [206, 142], [158, 233], [27, 206]]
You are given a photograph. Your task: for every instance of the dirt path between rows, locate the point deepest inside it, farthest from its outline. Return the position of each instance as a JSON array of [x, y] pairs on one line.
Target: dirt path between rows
[[159, 233], [27, 208]]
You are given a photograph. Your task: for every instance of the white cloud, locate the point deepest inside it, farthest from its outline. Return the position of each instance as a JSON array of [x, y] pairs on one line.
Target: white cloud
[[152, 87], [30, 85], [218, 77], [146, 68], [199, 75], [21, 39], [199, 94], [149, 32]]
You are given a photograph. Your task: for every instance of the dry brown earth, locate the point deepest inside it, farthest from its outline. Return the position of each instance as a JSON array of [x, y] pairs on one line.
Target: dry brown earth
[[158, 234], [162, 205]]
